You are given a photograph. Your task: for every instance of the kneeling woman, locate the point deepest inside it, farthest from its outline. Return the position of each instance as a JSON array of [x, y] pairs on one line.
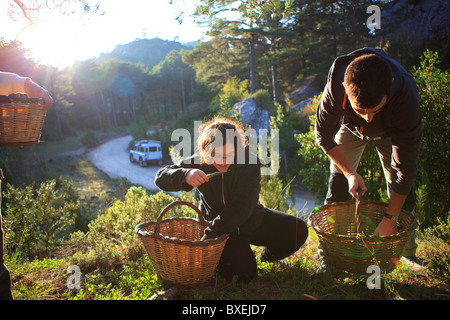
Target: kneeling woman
[[230, 201]]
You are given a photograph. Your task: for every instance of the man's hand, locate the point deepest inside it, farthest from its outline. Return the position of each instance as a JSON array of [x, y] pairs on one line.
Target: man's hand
[[355, 183], [386, 227], [196, 177]]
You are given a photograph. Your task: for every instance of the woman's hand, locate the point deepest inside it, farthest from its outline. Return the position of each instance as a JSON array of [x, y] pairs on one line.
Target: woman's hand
[[196, 177]]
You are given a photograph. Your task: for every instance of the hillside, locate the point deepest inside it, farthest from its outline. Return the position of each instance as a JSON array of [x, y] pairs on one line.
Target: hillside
[[147, 51]]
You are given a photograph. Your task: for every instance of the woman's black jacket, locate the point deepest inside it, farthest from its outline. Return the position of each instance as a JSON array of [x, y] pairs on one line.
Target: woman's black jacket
[[230, 201]]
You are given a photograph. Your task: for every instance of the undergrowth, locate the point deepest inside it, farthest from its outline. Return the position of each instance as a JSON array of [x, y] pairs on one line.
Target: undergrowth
[[292, 279], [113, 264]]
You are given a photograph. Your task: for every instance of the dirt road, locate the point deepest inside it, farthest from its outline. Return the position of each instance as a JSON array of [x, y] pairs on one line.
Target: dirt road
[[112, 158]]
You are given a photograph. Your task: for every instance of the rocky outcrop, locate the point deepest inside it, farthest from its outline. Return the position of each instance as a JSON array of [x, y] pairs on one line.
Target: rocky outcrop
[[417, 20], [299, 106], [304, 94], [309, 88], [251, 114]]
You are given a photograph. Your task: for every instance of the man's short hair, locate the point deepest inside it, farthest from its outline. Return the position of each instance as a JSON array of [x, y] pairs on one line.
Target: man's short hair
[[368, 79]]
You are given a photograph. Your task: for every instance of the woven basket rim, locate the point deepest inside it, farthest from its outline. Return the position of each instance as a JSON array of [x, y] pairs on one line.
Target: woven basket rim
[[17, 98], [313, 214], [152, 234]]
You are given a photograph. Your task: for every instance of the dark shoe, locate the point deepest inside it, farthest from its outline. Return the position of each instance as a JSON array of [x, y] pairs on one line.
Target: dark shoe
[[324, 270]]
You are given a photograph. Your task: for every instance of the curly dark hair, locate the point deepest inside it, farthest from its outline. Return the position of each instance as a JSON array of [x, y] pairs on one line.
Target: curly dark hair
[[368, 79], [230, 130]]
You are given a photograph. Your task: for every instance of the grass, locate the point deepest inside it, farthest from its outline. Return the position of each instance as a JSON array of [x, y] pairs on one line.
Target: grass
[[294, 279]]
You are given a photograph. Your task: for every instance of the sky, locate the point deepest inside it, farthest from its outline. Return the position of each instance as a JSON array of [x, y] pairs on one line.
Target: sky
[[60, 40]]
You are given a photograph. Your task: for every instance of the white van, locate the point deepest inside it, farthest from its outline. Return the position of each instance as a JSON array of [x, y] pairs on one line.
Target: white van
[[145, 152]]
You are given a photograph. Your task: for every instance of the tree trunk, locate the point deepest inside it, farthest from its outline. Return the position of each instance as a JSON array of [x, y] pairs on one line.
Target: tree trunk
[[134, 108], [274, 74], [113, 108], [105, 107], [58, 121], [192, 90], [252, 65], [183, 107], [97, 111]]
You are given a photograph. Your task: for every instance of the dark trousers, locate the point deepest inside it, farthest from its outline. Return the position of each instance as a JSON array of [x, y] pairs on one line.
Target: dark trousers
[[353, 148], [281, 235], [5, 284], [5, 277], [338, 191]]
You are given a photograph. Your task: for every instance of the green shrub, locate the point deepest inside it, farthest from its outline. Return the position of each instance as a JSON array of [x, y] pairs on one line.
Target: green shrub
[[315, 169], [263, 99], [89, 138], [233, 91], [37, 220], [276, 195], [111, 237], [435, 245], [139, 130], [434, 161]]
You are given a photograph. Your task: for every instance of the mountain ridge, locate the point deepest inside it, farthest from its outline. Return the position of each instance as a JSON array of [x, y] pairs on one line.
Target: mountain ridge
[[146, 51]]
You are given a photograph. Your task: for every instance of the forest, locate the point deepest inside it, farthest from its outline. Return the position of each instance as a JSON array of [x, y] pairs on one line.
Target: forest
[[267, 50]]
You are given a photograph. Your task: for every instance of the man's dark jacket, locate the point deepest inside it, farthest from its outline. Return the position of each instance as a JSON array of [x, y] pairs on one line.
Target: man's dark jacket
[[229, 201], [399, 119]]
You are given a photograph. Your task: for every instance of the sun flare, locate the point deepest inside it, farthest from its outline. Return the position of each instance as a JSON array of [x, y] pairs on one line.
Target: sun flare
[[55, 41]]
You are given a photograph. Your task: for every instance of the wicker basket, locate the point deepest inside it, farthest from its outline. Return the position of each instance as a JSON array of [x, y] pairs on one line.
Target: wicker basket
[[345, 232], [21, 120], [175, 249]]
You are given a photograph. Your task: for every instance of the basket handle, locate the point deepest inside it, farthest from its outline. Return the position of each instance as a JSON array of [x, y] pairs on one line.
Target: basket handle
[[170, 206]]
